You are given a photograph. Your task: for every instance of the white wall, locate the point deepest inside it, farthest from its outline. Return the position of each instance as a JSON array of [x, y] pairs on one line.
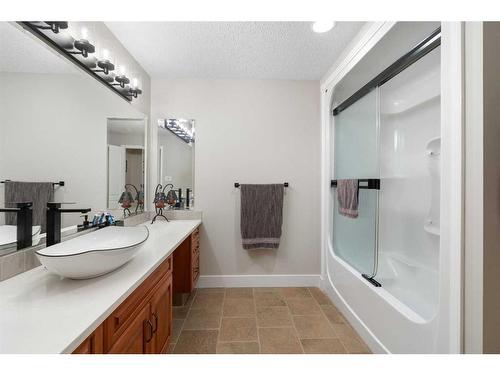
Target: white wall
[[121, 139], [54, 128], [251, 132]]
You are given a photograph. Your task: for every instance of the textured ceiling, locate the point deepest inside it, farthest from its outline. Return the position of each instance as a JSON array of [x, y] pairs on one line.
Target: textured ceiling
[[256, 50], [22, 53]]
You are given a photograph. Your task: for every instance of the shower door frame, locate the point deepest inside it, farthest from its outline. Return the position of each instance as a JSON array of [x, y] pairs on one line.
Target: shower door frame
[[450, 338], [422, 49]]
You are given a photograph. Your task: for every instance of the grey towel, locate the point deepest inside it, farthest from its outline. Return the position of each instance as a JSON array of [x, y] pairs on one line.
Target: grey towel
[[261, 215], [37, 192], [347, 196]]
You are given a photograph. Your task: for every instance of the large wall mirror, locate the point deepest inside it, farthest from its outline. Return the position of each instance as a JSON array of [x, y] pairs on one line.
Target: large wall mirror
[[176, 147], [126, 165], [59, 124]]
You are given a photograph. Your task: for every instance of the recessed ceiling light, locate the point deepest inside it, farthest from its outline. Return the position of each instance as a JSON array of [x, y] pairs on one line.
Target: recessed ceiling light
[[323, 26]]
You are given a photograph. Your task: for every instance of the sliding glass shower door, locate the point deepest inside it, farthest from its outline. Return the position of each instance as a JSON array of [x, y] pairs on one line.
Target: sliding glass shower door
[[356, 157]]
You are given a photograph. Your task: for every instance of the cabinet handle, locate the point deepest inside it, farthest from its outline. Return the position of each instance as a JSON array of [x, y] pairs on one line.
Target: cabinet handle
[[156, 323], [150, 331]]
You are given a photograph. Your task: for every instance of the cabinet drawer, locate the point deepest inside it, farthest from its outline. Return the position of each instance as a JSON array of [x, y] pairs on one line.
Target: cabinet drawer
[[137, 335], [116, 323]]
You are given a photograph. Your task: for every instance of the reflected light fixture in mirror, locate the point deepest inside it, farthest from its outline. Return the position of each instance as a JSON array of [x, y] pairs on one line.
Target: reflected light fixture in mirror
[[182, 128]]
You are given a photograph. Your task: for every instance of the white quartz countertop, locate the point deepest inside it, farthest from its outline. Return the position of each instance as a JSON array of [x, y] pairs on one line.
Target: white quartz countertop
[[41, 312]]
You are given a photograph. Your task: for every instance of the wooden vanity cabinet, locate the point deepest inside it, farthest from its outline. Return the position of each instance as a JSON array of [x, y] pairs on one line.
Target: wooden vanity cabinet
[[136, 336], [92, 344], [142, 324], [161, 316], [186, 267], [151, 328]]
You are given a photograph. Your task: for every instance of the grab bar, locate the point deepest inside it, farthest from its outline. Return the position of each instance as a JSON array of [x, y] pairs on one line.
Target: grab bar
[[371, 183]]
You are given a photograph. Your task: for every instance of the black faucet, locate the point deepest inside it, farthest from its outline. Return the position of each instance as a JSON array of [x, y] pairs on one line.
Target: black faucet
[[24, 223], [54, 211]]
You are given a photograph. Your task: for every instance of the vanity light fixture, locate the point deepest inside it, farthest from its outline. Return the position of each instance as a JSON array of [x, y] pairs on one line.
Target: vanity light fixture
[[100, 65], [135, 90], [178, 127], [83, 45], [322, 26], [55, 26], [104, 63], [122, 79]]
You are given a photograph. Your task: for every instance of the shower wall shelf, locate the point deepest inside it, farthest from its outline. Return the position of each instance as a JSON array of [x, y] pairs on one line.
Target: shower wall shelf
[[434, 147], [432, 228]]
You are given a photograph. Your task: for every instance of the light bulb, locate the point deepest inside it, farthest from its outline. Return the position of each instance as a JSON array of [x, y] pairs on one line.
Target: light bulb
[[84, 33], [105, 54], [322, 26], [135, 83], [122, 70]]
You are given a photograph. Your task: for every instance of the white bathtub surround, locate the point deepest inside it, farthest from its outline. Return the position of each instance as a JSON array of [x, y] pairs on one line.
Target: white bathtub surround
[[251, 131], [43, 313], [420, 297]]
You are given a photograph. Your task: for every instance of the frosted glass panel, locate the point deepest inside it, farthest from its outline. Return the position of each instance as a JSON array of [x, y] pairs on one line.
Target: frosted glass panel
[[356, 140], [354, 239], [356, 156]]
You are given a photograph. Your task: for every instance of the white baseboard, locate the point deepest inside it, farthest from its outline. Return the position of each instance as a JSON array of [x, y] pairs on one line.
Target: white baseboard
[[235, 281]]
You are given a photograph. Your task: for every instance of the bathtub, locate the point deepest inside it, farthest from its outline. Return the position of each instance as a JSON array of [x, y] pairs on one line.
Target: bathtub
[[387, 323]]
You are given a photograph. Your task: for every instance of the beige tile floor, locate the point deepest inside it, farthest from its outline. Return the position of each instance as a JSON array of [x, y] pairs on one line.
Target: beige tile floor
[[262, 320]]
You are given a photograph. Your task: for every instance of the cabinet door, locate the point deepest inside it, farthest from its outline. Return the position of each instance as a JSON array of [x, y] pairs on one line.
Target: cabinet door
[[92, 344], [161, 315], [136, 338]]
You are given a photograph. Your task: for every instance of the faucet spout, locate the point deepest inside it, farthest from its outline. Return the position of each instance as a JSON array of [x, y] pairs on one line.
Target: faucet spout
[[54, 212], [24, 223]]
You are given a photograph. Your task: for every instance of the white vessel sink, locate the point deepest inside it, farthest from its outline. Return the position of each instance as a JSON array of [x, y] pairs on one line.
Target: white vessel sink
[[8, 236], [94, 254]]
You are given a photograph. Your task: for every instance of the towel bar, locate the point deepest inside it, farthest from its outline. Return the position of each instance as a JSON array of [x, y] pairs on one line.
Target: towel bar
[[60, 183], [372, 183], [237, 184]]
